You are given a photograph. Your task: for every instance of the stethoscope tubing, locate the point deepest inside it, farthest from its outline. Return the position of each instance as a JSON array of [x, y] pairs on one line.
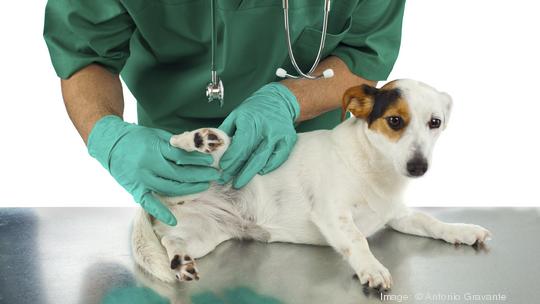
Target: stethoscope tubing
[[215, 89], [321, 44]]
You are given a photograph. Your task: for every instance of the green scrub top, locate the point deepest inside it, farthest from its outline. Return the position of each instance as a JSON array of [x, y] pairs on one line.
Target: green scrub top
[[162, 48]]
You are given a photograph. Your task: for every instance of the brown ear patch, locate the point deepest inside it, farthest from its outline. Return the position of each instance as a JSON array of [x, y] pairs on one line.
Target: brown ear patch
[[359, 101], [398, 108], [375, 105]]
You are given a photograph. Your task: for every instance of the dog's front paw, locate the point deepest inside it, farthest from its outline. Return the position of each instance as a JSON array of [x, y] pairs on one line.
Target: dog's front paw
[[375, 275], [184, 268], [466, 234]]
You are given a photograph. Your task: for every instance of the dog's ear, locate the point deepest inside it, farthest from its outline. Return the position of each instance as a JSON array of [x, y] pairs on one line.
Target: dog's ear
[[359, 101], [447, 107]]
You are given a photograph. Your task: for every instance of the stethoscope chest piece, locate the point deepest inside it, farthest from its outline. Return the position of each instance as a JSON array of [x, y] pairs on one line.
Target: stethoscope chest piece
[[215, 90]]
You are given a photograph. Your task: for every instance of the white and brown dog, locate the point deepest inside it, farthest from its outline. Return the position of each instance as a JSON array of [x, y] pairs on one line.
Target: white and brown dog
[[337, 188]]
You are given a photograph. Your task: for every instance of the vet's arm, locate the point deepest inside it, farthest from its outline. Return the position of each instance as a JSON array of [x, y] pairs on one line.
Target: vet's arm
[[90, 94], [139, 158], [316, 97], [422, 224]]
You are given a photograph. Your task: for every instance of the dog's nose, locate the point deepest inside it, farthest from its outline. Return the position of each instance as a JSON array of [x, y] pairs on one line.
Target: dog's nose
[[417, 166]]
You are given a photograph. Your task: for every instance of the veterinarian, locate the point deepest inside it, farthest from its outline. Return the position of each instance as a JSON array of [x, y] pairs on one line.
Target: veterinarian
[[165, 51]]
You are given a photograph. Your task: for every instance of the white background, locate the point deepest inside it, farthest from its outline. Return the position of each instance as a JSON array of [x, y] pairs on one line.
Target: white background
[[484, 53]]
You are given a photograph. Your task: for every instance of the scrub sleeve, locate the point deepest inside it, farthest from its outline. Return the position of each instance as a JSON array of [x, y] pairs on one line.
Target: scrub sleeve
[[371, 46], [83, 32]]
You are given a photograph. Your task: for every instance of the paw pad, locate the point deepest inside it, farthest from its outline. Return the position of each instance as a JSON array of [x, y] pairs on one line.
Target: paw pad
[[207, 141], [184, 268]]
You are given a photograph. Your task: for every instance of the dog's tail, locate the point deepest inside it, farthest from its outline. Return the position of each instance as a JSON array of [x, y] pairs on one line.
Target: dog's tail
[[147, 250]]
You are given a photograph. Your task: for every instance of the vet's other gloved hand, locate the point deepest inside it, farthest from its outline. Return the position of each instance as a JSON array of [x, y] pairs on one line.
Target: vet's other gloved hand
[[263, 134], [142, 161]]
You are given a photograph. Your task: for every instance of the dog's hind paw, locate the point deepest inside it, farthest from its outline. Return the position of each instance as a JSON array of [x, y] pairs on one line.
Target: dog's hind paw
[[184, 268], [205, 140]]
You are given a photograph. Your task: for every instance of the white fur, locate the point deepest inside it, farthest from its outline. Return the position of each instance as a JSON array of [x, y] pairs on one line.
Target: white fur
[[337, 188]]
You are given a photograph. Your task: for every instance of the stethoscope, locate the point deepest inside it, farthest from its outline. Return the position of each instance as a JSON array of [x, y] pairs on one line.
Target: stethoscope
[[215, 89]]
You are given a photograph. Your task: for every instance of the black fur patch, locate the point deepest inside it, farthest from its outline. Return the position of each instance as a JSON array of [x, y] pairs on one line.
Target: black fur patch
[[382, 99], [198, 140]]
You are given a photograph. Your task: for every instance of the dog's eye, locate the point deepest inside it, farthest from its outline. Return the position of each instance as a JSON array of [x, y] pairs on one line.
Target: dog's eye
[[434, 123], [395, 122]]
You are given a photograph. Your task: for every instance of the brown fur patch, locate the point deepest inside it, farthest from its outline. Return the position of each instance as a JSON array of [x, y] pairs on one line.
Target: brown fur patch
[[360, 102], [356, 101], [399, 108]]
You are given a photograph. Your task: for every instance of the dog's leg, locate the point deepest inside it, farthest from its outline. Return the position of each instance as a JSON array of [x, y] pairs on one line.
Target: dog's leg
[[206, 140], [421, 224], [181, 263], [195, 236], [342, 234]]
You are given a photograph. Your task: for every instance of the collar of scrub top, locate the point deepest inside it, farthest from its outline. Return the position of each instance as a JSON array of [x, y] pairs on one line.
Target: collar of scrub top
[[215, 89]]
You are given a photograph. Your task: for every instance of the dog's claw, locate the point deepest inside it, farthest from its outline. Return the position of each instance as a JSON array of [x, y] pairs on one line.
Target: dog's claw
[[375, 276], [468, 234]]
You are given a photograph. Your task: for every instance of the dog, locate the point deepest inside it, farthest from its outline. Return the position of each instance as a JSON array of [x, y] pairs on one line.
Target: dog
[[337, 188]]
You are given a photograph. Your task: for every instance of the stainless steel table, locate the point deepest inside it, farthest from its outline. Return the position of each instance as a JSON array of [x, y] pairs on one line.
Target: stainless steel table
[[82, 255]]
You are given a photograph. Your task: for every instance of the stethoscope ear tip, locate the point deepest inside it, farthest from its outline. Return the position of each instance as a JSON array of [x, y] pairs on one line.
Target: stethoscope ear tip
[[328, 73], [281, 73]]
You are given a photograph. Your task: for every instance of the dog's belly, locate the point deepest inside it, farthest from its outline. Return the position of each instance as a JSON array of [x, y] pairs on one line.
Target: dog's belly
[[292, 228], [255, 212], [288, 221]]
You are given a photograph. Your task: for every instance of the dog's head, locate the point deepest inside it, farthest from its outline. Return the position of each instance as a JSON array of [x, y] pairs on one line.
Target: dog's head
[[403, 120]]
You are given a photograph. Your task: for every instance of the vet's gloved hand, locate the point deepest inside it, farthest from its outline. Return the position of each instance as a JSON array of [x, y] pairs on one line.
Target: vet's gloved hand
[[142, 161], [263, 134]]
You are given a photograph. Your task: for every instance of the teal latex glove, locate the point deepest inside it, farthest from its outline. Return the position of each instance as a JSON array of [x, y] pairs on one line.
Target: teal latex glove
[[142, 161], [263, 134]]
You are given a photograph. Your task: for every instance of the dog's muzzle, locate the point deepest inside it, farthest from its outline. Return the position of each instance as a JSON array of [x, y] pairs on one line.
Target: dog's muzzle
[[417, 166]]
